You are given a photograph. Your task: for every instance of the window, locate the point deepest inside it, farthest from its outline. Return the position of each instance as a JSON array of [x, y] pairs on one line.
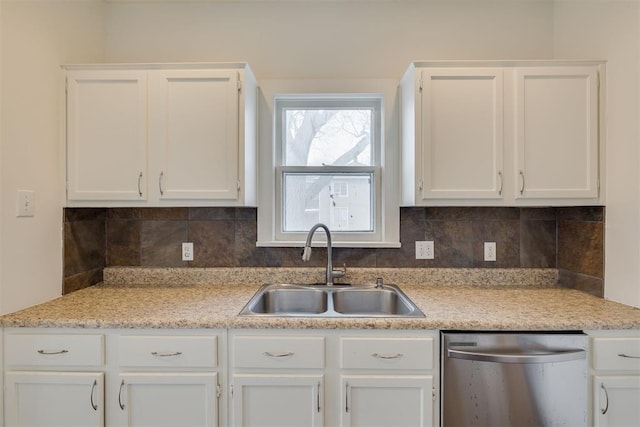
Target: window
[[340, 189], [326, 167]]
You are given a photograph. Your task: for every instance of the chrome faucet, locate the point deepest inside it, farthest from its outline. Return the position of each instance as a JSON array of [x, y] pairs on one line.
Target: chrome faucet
[[306, 254]]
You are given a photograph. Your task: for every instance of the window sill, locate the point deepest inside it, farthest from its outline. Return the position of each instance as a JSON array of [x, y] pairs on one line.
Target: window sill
[[321, 244]]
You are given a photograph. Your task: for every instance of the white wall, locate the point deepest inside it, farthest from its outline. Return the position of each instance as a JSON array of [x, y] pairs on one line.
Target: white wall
[[610, 30], [328, 39], [1, 91], [37, 36]]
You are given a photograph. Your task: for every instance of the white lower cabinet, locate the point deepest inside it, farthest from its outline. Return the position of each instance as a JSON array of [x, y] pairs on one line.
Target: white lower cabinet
[[615, 380], [617, 400], [141, 378], [166, 379], [168, 399], [394, 370], [278, 400], [53, 379], [387, 400], [277, 379], [49, 399], [333, 378]]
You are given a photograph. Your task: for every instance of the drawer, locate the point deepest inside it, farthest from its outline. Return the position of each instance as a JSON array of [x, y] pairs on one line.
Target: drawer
[[278, 352], [386, 353], [168, 351], [616, 354], [54, 350]]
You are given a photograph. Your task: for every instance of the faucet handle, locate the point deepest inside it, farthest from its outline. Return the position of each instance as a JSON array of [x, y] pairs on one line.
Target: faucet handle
[[340, 273]]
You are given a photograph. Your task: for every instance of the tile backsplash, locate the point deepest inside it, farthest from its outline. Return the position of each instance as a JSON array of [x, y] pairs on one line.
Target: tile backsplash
[[570, 239]]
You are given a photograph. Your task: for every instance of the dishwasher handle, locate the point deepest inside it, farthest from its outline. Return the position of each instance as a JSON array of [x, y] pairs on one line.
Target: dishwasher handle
[[550, 356]]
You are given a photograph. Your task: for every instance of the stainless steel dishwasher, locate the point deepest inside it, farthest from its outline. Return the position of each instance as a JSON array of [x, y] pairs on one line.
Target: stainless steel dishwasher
[[514, 379]]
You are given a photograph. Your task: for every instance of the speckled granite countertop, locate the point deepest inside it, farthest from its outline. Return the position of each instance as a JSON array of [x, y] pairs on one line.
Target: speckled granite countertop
[[461, 301]]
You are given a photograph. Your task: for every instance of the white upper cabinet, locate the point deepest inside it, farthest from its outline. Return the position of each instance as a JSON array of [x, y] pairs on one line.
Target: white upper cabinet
[[154, 135], [461, 151], [106, 134], [557, 132], [501, 133]]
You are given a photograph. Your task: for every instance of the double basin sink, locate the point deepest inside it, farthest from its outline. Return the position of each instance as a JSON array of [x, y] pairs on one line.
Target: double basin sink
[[288, 300]]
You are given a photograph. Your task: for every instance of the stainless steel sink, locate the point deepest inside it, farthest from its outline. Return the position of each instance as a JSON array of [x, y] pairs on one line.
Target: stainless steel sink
[[377, 302], [288, 300], [283, 300]]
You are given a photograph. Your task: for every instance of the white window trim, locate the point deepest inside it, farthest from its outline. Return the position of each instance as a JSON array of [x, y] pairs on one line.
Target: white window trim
[[388, 227]]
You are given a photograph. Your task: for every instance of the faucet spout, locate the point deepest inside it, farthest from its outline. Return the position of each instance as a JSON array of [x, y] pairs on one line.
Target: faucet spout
[[306, 253]]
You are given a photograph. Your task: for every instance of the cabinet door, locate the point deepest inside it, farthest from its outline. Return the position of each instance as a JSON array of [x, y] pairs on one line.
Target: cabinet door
[[387, 401], [54, 399], [277, 400], [194, 131], [106, 135], [616, 401], [557, 132], [462, 134], [168, 399]]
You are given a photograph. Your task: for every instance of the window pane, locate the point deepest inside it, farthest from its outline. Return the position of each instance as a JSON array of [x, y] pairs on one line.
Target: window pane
[[341, 201], [317, 137]]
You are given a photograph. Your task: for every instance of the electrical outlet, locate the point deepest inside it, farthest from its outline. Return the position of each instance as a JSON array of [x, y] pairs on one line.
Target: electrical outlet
[[187, 251], [489, 251], [424, 249]]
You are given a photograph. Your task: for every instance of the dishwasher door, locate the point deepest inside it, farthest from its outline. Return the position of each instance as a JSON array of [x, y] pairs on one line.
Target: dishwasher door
[[514, 379]]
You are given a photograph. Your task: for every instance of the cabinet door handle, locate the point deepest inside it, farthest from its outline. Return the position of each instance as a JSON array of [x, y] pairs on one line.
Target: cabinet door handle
[[139, 184], [522, 185], [283, 354], [167, 354], [160, 179], [346, 397], [387, 356], [318, 396], [50, 353], [120, 395], [501, 183], [93, 389], [628, 356], [606, 395]]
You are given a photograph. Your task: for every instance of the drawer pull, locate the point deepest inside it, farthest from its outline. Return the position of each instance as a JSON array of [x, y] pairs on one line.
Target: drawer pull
[[167, 354], [93, 388], [627, 356], [50, 353], [387, 356], [283, 354]]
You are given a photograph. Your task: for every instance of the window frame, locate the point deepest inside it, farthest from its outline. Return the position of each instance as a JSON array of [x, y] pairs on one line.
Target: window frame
[[371, 102], [384, 151]]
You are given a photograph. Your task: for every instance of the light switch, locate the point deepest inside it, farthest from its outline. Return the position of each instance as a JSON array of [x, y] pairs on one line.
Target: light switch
[[26, 203]]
